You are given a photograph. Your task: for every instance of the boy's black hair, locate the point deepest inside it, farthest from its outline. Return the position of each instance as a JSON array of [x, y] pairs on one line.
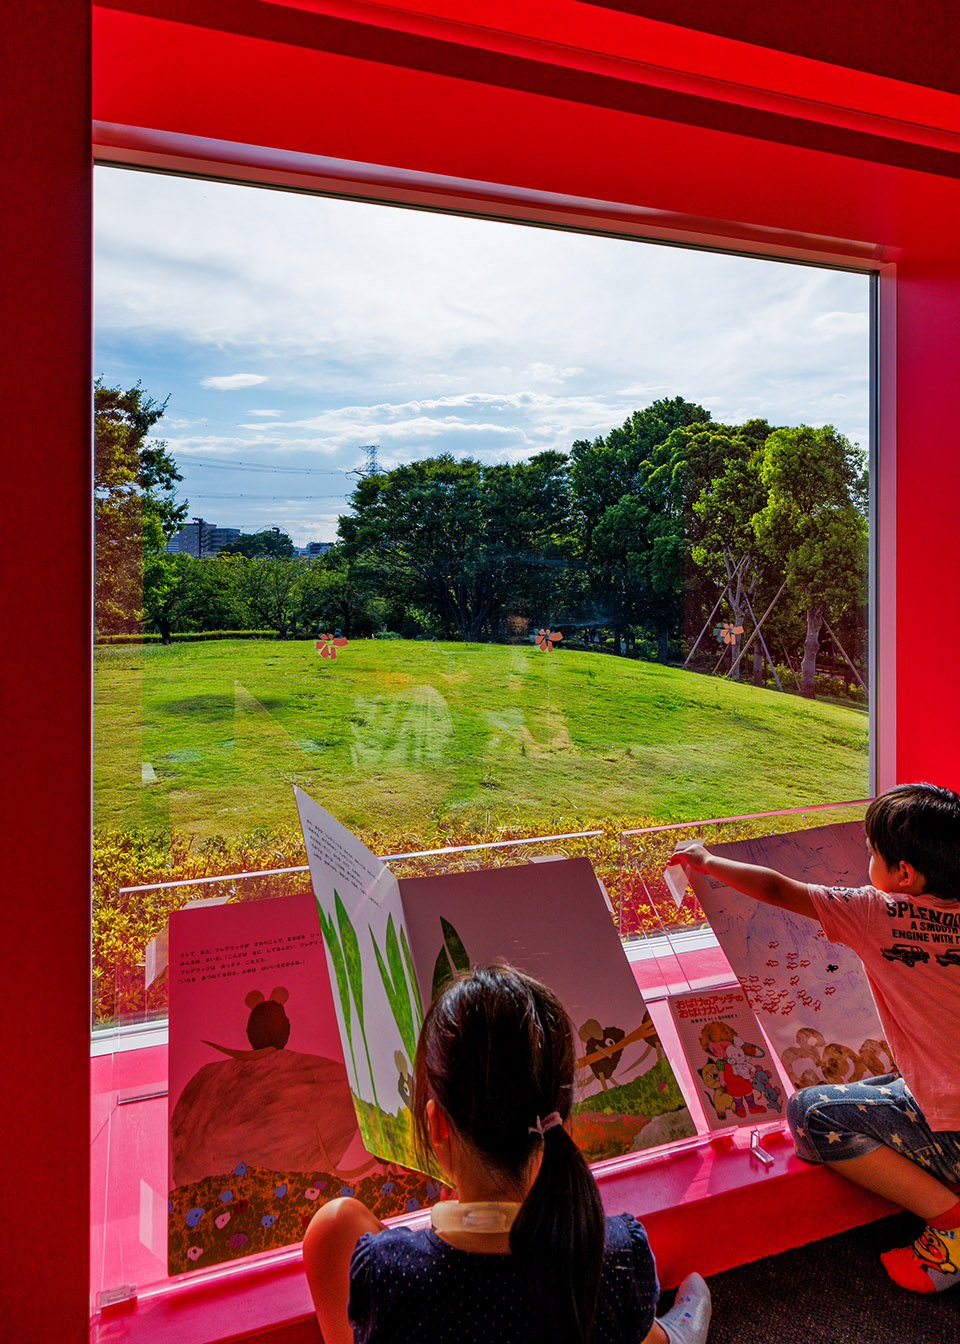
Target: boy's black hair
[[920, 824]]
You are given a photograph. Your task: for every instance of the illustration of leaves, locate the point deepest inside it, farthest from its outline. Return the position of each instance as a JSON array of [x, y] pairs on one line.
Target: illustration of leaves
[[442, 973], [354, 965], [336, 956], [351, 956], [340, 972], [398, 998], [414, 990], [403, 1011], [456, 949]]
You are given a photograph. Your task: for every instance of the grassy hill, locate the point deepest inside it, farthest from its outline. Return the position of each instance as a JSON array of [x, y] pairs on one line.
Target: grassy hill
[[206, 739]]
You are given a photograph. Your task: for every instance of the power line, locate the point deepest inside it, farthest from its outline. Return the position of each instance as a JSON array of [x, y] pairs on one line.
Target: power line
[[289, 499], [262, 466]]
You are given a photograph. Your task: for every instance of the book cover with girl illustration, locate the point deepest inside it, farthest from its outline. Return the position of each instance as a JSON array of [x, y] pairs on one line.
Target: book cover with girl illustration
[[737, 1079]]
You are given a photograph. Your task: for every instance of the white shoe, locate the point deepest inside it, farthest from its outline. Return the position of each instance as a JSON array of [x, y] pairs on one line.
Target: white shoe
[[688, 1320]]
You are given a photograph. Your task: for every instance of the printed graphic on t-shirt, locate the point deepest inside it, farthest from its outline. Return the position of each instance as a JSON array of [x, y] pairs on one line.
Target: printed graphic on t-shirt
[[920, 933]]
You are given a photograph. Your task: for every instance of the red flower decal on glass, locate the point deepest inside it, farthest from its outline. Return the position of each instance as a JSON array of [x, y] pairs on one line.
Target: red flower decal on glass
[[727, 633], [328, 645], [546, 638]]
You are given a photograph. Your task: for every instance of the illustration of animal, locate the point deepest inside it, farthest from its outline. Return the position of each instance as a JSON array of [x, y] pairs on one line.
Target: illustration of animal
[[268, 1023], [719, 1097], [277, 1107], [404, 1081], [764, 1085], [602, 1039], [268, 1027]]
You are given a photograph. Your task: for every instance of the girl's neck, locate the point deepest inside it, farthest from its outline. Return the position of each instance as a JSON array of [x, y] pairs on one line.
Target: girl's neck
[[482, 1243], [475, 1183]]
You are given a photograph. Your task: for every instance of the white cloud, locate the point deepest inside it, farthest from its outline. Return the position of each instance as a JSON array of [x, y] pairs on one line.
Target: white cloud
[[841, 324], [230, 381], [429, 333]]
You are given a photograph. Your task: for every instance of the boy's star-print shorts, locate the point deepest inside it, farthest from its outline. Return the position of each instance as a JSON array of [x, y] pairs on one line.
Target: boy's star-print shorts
[[836, 1121]]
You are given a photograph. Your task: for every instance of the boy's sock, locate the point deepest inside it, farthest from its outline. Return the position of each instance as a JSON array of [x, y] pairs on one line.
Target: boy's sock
[[932, 1262], [688, 1319]]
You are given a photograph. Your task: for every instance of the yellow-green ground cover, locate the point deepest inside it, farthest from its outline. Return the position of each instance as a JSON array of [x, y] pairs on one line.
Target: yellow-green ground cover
[[416, 745]]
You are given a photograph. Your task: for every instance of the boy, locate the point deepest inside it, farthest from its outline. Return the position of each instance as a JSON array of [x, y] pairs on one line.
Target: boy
[[898, 1136]]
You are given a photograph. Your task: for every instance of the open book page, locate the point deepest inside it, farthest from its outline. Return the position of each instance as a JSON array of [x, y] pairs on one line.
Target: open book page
[[262, 1127], [724, 1045], [811, 995], [551, 920], [371, 971]]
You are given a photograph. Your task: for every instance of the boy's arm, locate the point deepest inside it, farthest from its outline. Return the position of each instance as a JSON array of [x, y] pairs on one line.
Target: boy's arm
[[763, 884]]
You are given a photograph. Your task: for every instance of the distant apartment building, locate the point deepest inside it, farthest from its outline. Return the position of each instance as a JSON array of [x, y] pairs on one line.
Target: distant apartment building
[[317, 547], [213, 539]]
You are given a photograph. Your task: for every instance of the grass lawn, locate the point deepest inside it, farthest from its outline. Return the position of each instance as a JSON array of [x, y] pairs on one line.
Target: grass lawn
[[393, 735]]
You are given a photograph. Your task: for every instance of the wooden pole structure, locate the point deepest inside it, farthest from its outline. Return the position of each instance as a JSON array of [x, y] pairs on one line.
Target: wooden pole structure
[[756, 630], [725, 593], [789, 663], [763, 643], [844, 652]]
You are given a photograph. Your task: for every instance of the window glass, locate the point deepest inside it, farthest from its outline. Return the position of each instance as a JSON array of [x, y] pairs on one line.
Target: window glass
[[475, 531]]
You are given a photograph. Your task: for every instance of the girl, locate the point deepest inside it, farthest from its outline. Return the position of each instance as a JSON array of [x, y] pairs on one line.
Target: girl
[[525, 1253]]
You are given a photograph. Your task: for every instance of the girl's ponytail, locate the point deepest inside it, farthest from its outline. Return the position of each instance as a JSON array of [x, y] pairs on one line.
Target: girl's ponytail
[[496, 1053], [558, 1235]]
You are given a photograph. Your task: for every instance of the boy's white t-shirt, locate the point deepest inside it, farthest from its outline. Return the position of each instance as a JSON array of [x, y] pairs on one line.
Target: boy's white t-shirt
[[910, 949]]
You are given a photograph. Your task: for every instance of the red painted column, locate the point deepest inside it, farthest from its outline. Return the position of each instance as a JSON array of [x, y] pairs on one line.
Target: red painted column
[[45, 766], [928, 519]]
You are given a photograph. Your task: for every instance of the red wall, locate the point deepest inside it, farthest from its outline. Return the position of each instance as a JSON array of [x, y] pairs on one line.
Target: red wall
[[561, 121], [45, 771]]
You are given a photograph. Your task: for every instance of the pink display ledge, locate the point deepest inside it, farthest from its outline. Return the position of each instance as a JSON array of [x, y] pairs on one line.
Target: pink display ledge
[[707, 1203]]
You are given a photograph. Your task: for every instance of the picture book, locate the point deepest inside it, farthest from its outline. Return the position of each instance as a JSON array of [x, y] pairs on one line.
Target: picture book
[[811, 995], [262, 1127], [723, 1043], [392, 944]]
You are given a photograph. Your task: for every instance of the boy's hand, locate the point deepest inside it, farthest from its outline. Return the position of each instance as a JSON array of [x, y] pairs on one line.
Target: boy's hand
[[763, 884], [692, 854]]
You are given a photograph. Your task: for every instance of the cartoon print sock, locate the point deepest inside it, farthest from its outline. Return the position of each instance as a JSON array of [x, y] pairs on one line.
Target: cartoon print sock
[[688, 1319], [932, 1262]]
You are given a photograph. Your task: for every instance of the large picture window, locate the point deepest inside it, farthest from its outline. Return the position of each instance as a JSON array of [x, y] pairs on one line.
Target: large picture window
[[474, 531]]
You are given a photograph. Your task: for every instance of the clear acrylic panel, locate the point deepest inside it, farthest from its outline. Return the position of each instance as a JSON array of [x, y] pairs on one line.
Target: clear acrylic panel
[[129, 1064], [647, 909]]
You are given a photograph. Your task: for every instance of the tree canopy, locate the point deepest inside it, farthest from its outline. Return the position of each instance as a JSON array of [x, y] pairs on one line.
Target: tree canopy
[[271, 541], [813, 526], [459, 536], [639, 536], [135, 504]]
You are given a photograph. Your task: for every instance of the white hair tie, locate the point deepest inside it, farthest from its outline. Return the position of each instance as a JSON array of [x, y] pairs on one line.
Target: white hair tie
[[548, 1122]]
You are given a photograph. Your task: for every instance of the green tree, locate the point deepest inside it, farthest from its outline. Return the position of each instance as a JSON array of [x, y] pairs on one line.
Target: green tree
[[813, 527], [604, 470], [629, 502], [181, 593], [271, 590], [340, 594], [724, 543], [135, 505], [459, 537], [167, 592], [271, 541]]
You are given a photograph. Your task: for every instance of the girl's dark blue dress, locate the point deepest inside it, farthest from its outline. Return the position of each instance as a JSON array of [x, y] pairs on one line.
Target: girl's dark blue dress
[[412, 1288]]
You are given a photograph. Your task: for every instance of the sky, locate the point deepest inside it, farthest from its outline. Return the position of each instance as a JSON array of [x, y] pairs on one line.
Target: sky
[[289, 332]]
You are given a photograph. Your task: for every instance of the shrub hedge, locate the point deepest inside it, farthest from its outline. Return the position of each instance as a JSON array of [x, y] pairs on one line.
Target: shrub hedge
[[186, 636]]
